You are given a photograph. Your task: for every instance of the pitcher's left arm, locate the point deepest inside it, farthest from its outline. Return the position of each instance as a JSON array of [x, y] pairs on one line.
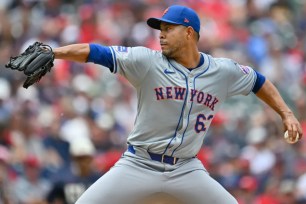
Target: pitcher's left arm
[[270, 95]]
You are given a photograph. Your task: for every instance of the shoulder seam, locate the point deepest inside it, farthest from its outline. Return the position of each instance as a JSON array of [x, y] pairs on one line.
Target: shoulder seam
[[149, 69]]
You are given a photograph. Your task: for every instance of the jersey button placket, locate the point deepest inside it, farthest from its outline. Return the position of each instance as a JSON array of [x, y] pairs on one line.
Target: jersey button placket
[[188, 104], [190, 79]]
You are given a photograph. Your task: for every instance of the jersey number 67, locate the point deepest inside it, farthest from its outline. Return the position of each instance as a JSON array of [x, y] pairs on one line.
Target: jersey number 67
[[200, 125]]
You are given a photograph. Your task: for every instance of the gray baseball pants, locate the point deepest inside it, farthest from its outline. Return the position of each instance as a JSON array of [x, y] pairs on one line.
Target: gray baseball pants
[[136, 176]]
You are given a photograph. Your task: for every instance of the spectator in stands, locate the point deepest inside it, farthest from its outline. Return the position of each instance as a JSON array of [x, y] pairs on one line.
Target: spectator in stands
[[69, 186], [30, 188]]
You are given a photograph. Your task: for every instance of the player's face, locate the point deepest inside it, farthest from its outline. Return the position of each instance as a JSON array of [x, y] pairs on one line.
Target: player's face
[[172, 39]]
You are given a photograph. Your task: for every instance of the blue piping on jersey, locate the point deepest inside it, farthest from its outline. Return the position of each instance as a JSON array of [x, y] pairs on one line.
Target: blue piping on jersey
[[254, 82], [114, 59], [191, 106], [182, 111]]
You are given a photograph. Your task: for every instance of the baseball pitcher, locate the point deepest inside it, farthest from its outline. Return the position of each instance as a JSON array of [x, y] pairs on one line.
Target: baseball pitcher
[[179, 91]]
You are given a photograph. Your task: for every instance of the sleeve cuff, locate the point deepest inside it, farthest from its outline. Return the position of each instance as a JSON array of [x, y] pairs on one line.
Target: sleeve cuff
[[260, 80], [101, 55]]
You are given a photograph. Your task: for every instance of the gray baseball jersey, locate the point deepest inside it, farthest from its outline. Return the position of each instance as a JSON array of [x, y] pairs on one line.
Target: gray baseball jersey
[[175, 109], [175, 105]]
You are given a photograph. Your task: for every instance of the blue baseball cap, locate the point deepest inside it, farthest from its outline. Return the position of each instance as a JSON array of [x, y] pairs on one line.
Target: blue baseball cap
[[178, 15]]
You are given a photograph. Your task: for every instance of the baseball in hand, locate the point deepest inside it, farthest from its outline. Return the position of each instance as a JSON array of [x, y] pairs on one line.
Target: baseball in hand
[[294, 140]]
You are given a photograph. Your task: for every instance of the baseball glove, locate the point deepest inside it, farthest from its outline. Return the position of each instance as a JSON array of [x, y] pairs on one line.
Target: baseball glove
[[35, 62]]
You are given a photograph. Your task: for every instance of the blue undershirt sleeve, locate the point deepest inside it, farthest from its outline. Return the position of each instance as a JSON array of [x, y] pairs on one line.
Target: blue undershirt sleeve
[[260, 80], [101, 55]]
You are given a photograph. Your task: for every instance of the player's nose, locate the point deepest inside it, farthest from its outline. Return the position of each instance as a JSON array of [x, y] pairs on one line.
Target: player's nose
[[161, 35]]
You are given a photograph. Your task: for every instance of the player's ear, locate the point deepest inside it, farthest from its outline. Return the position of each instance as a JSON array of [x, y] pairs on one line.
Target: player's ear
[[190, 32]]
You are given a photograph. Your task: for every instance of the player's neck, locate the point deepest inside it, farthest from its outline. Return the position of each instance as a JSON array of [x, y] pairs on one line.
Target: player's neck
[[190, 59]]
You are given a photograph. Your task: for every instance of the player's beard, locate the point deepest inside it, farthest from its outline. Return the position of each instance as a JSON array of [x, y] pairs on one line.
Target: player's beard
[[172, 52], [168, 53]]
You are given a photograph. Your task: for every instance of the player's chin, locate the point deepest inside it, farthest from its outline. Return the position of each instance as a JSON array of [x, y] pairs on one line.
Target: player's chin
[[166, 53]]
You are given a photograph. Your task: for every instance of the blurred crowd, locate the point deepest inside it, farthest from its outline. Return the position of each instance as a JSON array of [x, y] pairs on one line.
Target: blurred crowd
[[59, 136]]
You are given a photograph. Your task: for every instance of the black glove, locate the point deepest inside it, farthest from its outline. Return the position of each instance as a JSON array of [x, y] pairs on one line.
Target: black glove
[[35, 62]]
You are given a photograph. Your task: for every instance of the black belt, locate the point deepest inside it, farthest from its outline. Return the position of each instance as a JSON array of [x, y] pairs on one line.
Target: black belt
[[157, 157]]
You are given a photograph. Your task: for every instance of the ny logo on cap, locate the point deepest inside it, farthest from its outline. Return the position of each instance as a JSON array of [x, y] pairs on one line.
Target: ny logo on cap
[[186, 20], [165, 11]]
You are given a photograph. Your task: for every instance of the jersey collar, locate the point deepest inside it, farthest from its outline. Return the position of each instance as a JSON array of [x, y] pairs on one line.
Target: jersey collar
[[199, 69]]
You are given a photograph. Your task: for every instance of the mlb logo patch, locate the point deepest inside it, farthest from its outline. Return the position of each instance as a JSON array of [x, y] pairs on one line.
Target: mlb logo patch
[[244, 69], [122, 49]]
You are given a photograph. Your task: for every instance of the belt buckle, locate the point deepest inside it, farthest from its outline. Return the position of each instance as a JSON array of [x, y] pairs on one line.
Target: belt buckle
[[174, 159], [162, 160]]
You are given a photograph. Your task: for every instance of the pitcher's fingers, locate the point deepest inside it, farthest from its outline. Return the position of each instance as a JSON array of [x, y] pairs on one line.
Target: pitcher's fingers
[[295, 132], [290, 131], [300, 131]]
